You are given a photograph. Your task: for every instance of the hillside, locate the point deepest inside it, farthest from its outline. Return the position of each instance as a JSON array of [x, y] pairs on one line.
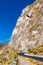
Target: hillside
[[27, 35], [28, 32], [37, 51], [7, 54]]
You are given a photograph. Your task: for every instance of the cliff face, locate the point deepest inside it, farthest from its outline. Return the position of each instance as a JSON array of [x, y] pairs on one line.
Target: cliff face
[[28, 32]]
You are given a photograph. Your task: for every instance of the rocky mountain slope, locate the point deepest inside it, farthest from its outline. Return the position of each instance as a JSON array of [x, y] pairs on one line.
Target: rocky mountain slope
[[28, 32]]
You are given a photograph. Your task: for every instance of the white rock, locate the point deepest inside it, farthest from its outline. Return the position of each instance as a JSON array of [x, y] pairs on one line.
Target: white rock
[[28, 32]]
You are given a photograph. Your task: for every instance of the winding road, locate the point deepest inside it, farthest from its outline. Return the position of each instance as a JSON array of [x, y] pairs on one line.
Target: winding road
[[32, 57]]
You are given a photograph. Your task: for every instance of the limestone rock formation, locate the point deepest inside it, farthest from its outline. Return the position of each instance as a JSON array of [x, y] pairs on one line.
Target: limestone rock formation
[[28, 32]]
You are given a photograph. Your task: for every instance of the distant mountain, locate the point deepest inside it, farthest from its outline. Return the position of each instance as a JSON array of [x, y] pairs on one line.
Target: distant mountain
[[3, 43], [28, 32]]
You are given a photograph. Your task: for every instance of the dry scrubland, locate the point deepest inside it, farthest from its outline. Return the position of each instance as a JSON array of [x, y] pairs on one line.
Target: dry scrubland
[[7, 54], [37, 51]]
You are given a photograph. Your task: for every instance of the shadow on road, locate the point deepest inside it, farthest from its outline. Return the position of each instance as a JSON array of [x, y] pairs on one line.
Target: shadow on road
[[32, 57]]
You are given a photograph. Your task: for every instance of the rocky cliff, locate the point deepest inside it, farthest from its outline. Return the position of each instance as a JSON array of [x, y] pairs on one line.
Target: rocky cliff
[[28, 32]]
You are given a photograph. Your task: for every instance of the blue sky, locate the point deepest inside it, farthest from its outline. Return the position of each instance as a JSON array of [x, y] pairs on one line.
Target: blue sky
[[10, 10]]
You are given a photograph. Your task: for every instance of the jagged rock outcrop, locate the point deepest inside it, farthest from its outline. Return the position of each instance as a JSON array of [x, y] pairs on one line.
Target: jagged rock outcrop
[[28, 32]]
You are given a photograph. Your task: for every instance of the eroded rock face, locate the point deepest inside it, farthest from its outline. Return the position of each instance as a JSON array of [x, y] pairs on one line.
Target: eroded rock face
[[28, 32]]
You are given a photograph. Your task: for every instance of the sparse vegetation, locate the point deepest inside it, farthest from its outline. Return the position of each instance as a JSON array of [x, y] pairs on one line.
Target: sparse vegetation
[[37, 50], [7, 55]]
